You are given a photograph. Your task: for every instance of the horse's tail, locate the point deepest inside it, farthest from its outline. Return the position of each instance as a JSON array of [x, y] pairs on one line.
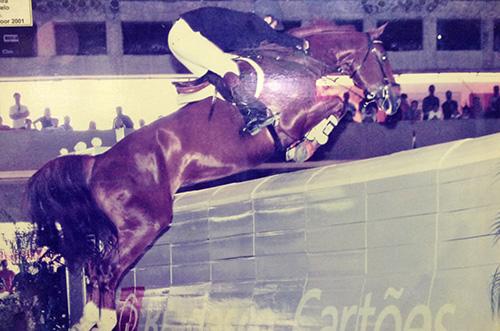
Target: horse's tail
[[68, 220]]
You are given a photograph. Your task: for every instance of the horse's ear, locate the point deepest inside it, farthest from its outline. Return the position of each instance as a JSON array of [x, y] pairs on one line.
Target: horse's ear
[[377, 32]]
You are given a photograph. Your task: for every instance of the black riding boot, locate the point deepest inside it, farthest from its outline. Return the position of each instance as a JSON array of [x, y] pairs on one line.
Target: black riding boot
[[254, 112]]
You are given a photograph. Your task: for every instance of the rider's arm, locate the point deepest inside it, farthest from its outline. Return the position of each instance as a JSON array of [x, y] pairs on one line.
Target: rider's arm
[[276, 37]]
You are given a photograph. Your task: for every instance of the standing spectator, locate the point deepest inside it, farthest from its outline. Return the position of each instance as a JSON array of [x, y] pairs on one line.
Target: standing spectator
[[430, 104], [494, 107], [92, 126], [348, 108], [142, 123], [47, 121], [6, 275], [67, 124], [450, 107], [18, 112], [121, 120], [3, 127]]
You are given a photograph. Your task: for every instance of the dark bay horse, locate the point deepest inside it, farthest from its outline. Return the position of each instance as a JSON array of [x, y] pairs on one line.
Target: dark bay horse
[[103, 212]]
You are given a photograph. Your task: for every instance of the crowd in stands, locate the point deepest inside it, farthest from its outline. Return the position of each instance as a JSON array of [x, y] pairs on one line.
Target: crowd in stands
[[431, 109]]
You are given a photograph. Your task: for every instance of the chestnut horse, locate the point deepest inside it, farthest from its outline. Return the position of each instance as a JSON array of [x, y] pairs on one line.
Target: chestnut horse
[[103, 212]]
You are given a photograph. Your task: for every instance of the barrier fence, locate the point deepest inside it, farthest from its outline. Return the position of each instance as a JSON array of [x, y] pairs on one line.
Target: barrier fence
[[400, 242]]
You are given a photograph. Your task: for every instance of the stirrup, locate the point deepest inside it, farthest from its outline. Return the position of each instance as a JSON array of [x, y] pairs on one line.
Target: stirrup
[[255, 125]]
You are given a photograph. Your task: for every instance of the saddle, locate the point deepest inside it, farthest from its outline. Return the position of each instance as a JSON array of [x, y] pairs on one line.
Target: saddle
[[250, 63]]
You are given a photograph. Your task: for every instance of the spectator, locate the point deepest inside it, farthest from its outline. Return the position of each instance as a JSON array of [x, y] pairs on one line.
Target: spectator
[[47, 121], [18, 112], [67, 124], [28, 124], [430, 105], [369, 112], [92, 126], [476, 107], [467, 112], [493, 110], [6, 275], [449, 107], [3, 127], [3, 290], [121, 120], [348, 108], [414, 114], [142, 123]]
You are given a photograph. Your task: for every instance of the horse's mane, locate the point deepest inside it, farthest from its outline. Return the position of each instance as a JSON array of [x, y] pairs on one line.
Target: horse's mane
[[320, 26]]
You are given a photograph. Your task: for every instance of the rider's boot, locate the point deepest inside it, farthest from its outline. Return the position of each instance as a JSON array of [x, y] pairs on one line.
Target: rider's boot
[[255, 113]]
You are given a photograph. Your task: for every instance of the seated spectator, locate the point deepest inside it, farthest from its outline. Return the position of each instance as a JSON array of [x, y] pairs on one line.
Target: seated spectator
[[467, 113], [121, 120], [430, 105], [476, 107], [369, 113], [3, 127], [493, 110], [92, 126], [67, 124], [348, 108], [28, 124], [413, 114], [47, 121], [18, 112], [449, 107]]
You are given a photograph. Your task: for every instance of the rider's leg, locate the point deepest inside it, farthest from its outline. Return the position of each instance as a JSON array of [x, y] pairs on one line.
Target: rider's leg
[[199, 55], [254, 112]]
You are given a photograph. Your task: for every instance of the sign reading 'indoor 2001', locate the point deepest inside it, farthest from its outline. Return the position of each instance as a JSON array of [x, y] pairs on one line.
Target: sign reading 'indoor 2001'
[[16, 13]]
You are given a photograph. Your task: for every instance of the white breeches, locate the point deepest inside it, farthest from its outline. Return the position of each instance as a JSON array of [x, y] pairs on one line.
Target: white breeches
[[197, 53]]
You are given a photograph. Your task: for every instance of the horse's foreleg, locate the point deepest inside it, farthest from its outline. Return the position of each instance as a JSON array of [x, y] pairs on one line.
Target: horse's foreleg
[[322, 118], [99, 311], [89, 318]]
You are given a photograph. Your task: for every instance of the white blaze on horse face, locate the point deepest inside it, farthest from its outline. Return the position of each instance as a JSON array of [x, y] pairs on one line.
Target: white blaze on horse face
[[146, 163]]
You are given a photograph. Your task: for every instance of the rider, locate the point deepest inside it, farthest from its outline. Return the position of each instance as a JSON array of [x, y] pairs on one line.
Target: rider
[[202, 40]]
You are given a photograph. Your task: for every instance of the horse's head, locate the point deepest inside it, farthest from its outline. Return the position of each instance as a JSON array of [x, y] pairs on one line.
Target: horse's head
[[357, 54]]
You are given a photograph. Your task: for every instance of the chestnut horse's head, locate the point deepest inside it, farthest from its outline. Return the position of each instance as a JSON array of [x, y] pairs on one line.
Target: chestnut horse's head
[[357, 54]]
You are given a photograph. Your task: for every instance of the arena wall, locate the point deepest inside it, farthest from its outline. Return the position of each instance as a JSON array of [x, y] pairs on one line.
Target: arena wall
[[115, 62], [400, 242]]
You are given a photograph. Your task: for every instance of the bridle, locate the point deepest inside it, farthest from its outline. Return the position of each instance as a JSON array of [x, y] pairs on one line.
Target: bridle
[[383, 92]]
